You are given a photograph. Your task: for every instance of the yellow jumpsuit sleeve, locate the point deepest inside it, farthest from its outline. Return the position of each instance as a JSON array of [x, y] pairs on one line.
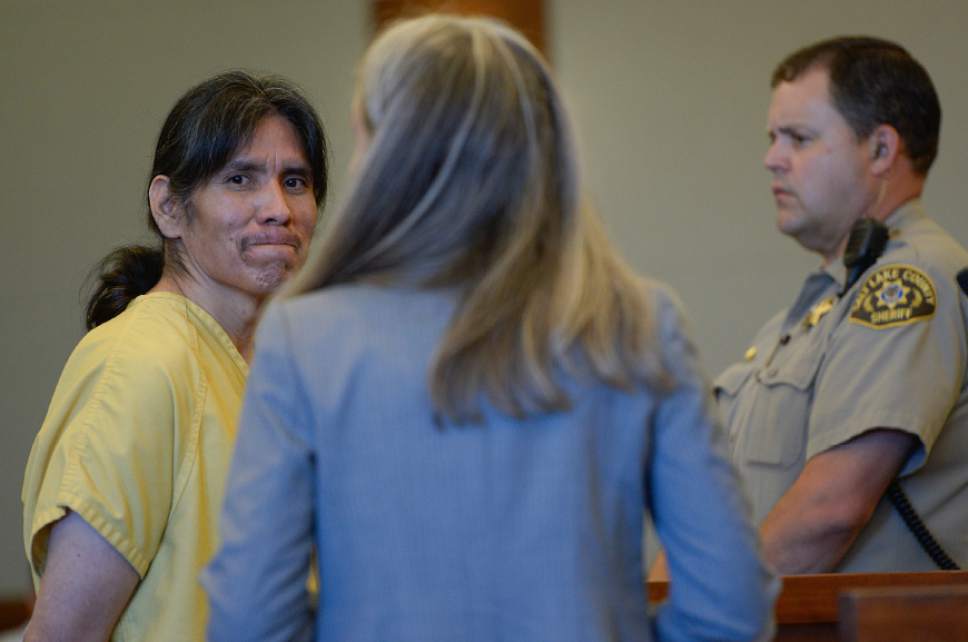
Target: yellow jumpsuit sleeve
[[107, 449]]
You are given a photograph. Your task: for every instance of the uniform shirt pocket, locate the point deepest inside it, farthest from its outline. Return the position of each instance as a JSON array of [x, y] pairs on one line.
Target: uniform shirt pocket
[[726, 391], [732, 379], [794, 368], [778, 415]]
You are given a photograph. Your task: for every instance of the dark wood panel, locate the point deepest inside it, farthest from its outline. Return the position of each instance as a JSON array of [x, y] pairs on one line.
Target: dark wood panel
[[825, 632], [807, 608], [14, 612], [527, 16], [901, 614], [813, 598]]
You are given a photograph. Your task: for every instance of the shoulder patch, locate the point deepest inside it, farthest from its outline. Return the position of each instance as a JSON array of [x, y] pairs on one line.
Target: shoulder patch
[[893, 296]]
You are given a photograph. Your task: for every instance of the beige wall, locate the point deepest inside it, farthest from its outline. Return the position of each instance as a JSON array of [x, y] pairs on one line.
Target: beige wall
[[669, 98]]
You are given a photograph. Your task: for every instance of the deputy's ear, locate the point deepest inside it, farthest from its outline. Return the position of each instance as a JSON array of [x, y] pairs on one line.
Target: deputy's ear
[[885, 147], [166, 209]]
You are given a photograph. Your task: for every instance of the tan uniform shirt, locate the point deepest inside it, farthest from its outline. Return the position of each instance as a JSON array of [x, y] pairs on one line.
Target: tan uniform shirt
[[891, 353]]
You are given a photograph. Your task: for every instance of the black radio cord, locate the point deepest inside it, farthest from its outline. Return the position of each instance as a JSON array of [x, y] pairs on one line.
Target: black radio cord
[[927, 541]]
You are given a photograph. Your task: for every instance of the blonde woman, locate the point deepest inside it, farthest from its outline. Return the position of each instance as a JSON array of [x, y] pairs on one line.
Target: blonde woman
[[467, 402]]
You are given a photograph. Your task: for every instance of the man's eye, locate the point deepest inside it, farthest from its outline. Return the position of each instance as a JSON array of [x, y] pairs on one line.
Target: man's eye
[[238, 179], [296, 183]]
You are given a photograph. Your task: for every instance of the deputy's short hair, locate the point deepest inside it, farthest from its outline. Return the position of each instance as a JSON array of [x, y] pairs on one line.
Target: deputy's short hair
[[875, 82]]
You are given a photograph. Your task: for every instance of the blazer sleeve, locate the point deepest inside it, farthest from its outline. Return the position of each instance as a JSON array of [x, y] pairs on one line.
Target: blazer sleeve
[[256, 583], [720, 588]]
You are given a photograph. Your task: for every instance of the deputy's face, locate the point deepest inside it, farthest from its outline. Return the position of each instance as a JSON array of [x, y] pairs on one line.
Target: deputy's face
[[821, 181]]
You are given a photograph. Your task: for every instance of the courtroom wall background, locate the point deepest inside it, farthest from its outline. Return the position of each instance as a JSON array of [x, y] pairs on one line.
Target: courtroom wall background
[[669, 99]]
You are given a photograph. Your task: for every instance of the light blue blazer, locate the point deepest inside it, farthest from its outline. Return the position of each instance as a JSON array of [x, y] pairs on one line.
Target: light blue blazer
[[508, 531]]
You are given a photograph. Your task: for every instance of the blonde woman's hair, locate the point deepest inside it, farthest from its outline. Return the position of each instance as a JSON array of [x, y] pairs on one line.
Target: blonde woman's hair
[[470, 181]]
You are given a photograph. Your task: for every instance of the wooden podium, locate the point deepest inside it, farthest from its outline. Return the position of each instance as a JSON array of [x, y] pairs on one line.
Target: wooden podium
[[808, 608]]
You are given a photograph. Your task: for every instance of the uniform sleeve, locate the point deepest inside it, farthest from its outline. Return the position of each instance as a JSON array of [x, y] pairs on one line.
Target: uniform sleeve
[[883, 370], [106, 451], [256, 583], [720, 588]]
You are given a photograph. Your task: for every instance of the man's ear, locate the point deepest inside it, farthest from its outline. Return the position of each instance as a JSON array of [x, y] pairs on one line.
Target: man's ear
[[885, 146], [166, 209]]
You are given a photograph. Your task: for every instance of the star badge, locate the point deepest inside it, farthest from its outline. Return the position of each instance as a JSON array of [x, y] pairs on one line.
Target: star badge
[[892, 294], [818, 311]]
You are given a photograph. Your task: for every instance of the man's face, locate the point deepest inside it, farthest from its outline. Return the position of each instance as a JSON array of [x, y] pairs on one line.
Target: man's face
[[250, 224], [821, 181]]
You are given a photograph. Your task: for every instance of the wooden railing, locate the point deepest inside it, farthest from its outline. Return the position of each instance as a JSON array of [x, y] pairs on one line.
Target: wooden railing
[[14, 612], [903, 614], [807, 608]]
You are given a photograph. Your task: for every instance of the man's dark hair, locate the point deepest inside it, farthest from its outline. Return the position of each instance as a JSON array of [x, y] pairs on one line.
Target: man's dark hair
[[204, 130], [875, 82]]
